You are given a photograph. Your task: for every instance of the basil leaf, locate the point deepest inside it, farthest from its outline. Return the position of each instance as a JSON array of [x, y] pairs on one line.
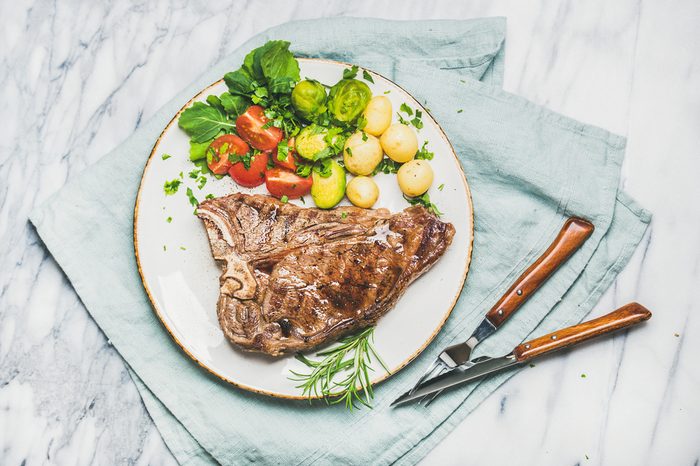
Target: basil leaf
[[203, 122]]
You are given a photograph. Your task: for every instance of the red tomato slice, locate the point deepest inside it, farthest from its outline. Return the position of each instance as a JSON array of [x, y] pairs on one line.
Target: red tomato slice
[[281, 182], [290, 162], [252, 176], [222, 147], [249, 126]]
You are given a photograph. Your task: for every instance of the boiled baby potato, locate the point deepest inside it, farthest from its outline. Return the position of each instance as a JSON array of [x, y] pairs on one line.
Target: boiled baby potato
[[399, 142], [378, 115], [362, 191], [362, 153], [415, 177]]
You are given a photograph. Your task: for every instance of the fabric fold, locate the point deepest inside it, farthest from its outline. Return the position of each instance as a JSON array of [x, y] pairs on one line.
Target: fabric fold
[[528, 169]]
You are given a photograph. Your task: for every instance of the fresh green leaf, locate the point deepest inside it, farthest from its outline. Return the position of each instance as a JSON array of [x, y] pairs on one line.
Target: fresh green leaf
[[406, 109], [171, 187], [198, 150], [350, 73], [283, 150], [387, 166], [367, 77], [203, 122], [234, 105], [424, 200], [424, 153], [190, 196]]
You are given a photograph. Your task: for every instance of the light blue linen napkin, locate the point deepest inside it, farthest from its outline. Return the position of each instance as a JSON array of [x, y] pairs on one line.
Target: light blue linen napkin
[[528, 169]]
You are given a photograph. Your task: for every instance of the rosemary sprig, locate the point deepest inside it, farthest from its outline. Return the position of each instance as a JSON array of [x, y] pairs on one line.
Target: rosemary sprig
[[343, 372]]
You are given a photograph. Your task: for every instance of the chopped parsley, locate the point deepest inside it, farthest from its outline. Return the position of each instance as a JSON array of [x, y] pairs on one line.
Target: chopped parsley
[[387, 166], [302, 200], [350, 73], [282, 150], [387, 92], [165, 156], [441, 187], [424, 200], [417, 122], [406, 109], [583, 376], [364, 136], [201, 181], [183, 248], [190, 196], [169, 219], [424, 153], [344, 215], [165, 248], [284, 199], [367, 77], [171, 187], [209, 196], [460, 110], [532, 365], [348, 150], [194, 174]]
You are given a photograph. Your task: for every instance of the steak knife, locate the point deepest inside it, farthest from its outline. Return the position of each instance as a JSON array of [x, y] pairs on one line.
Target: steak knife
[[621, 318], [570, 238]]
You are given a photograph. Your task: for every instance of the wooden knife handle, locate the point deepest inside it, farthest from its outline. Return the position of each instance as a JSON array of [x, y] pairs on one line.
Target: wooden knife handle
[[572, 235], [623, 317]]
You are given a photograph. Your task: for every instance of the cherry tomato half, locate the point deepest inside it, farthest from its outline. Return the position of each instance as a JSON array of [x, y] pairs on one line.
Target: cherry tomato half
[[252, 176], [281, 182], [250, 127], [223, 146]]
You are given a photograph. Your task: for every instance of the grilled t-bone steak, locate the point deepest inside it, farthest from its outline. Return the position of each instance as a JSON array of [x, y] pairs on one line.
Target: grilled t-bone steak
[[295, 278]]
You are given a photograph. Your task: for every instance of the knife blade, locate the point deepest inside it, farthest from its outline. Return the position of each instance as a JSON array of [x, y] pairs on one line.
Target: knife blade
[[621, 318]]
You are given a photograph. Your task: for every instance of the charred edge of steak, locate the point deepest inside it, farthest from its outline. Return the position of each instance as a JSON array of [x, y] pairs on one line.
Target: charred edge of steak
[[296, 278]]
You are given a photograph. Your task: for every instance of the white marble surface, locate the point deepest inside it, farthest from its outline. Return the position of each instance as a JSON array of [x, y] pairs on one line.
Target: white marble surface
[[77, 77]]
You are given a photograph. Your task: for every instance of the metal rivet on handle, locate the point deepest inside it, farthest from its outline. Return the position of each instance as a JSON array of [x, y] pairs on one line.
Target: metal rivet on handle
[[500, 312], [519, 292], [527, 346], [554, 337]]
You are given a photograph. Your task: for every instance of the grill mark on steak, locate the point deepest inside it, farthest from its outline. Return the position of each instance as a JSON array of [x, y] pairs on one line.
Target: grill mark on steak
[[294, 278]]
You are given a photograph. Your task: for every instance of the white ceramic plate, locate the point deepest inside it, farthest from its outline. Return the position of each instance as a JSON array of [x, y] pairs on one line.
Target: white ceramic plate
[[182, 279]]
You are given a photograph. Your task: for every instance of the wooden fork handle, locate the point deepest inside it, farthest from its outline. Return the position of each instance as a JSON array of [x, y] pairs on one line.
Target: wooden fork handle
[[623, 317], [572, 235]]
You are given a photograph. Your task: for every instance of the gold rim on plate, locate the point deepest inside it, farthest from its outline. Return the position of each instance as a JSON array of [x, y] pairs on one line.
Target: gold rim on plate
[[384, 375]]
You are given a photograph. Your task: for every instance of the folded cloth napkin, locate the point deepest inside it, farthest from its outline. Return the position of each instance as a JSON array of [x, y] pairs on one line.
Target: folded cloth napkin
[[528, 169]]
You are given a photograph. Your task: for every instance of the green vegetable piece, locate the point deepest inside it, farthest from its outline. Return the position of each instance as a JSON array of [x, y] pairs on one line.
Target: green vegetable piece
[[234, 105], [198, 150], [165, 156], [328, 191], [309, 99], [203, 122], [316, 142], [171, 187], [367, 77], [347, 99]]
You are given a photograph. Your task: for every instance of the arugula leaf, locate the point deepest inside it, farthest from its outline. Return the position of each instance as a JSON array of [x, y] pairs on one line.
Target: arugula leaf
[[239, 82], [198, 150], [234, 105], [350, 73], [367, 76], [203, 122], [277, 65]]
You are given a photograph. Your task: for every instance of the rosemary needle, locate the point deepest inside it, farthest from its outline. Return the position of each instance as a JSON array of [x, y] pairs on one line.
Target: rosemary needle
[[343, 372]]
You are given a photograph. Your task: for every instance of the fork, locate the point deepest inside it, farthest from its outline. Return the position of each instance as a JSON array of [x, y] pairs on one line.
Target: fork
[[570, 238]]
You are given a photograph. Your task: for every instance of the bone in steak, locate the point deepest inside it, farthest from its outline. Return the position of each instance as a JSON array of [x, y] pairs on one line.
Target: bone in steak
[[295, 278]]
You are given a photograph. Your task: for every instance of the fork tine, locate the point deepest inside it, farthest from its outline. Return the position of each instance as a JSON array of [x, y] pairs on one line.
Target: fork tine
[[426, 400], [437, 364]]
